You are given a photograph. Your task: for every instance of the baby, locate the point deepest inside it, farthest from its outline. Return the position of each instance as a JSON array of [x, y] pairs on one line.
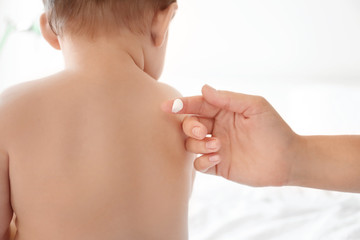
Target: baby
[[87, 153]]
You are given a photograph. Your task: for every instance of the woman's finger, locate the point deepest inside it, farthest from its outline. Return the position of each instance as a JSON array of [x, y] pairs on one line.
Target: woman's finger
[[207, 163], [208, 145], [190, 105], [196, 127], [235, 102]]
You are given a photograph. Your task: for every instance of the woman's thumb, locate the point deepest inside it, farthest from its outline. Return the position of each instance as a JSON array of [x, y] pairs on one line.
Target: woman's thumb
[[234, 102]]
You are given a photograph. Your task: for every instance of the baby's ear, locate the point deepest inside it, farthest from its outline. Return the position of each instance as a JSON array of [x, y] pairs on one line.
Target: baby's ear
[[48, 33], [161, 23]]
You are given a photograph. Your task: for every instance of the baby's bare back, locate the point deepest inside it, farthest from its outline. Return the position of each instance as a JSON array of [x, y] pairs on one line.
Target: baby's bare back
[[93, 159]]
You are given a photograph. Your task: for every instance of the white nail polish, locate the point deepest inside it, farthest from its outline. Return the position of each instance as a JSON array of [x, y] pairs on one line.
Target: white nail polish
[[177, 106]]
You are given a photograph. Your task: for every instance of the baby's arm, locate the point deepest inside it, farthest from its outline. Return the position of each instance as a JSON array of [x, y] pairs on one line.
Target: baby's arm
[[6, 211]]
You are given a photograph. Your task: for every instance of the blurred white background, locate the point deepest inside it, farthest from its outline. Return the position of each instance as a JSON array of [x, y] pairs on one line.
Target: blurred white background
[[302, 55]]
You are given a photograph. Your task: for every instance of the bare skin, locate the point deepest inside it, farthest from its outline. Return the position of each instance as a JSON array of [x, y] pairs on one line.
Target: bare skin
[[82, 158], [251, 144], [89, 154]]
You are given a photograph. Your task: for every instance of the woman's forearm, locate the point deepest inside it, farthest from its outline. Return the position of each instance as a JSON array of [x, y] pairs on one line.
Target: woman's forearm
[[327, 162]]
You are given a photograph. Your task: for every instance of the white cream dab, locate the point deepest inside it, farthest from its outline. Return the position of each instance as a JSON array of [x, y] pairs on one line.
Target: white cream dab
[[177, 106]]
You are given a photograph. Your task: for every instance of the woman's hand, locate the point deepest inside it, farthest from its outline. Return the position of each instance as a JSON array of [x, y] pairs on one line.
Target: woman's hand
[[250, 143]]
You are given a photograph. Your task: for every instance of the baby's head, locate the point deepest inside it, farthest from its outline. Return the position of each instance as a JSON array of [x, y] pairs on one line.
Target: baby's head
[[90, 20]]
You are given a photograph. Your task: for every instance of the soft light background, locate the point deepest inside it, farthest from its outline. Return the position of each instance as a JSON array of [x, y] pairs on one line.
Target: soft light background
[[302, 55]]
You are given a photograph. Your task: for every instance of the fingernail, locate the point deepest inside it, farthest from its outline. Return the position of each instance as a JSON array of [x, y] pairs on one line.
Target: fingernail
[[210, 88], [212, 145], [197, 132], [177, 106], [214, 158]]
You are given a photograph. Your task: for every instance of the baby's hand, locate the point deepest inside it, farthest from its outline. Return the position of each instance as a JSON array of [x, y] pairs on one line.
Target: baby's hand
[[249, 144]]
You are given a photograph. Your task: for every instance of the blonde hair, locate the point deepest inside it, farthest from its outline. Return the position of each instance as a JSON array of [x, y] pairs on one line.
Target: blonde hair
[[90, 17]]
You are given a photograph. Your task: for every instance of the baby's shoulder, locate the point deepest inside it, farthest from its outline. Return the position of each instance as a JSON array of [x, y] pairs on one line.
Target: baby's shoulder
[[16, 93], [11, 109], [22, 100], [168, 91], [170, 122], [26, 93]]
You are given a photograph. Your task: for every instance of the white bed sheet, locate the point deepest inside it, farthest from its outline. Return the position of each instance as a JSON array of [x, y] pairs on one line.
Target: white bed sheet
[[222, 210]]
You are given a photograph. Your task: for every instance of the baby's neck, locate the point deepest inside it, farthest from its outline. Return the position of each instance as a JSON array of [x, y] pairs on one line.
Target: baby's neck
[[103, 55]]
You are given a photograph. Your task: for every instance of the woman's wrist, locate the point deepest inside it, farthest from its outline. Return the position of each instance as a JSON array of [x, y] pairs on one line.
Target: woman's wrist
[[326, 162], [298, 157]]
